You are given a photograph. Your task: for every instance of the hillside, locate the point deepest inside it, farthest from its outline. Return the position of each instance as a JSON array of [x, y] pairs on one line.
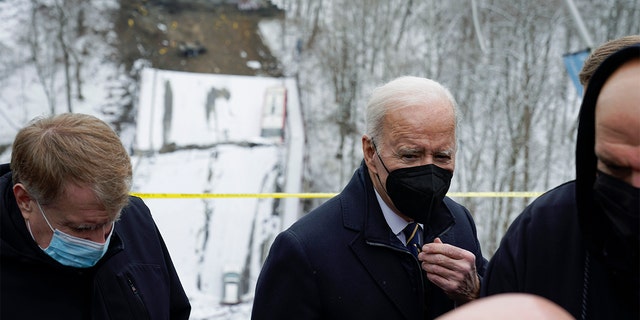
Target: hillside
[[222, 39]]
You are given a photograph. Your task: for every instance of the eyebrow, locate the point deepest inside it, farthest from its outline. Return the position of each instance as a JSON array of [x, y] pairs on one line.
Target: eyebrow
[[86, 226], [408, 150], [447, 152]]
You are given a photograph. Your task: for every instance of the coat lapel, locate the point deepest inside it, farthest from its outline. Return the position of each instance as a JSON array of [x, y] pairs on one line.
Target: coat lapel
[[378, 250], [389, 275]]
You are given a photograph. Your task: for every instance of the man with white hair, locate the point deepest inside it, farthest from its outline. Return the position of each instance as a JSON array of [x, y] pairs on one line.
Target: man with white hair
[[391, 245]]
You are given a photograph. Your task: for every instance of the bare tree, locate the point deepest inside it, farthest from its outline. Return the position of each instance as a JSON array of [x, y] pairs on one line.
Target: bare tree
[[517, 109], [59, 37], [42, 51], [348, 44], [62, 21]]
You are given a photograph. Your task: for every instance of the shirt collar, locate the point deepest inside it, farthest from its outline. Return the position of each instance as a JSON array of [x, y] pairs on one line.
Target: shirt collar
[[395, 222]]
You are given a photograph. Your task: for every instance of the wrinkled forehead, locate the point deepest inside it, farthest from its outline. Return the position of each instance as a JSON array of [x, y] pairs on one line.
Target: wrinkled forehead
[[436, 107], [619, 98]]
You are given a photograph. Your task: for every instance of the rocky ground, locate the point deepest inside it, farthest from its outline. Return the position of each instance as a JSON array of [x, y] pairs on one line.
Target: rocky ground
[[195, 38]]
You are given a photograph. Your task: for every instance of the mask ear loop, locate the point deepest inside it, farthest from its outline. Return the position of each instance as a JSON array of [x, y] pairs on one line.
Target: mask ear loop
[[377, 153], [385, 167], [45, 217], [113, 228]]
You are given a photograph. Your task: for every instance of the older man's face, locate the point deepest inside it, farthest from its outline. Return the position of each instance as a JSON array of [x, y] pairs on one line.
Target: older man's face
[[77, 213], [413, 136], [618, 125], [418, 135]]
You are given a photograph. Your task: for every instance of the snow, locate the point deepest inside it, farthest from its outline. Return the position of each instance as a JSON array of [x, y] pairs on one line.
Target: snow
[[207, 237], [235, 115], [221, 154]]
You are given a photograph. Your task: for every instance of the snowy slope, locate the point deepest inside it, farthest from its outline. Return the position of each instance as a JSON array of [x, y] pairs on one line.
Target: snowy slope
[[205, 236], [221, 154]]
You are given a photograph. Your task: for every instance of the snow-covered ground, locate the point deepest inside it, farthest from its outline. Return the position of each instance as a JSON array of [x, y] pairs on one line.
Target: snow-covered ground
[[209, 236], [222, 153]]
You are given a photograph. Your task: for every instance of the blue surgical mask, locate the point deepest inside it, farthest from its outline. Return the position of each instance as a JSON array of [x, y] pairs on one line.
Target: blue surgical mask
[[73, 251]]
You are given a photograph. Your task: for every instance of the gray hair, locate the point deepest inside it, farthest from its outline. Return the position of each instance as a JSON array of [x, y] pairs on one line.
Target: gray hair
[[402, 92]]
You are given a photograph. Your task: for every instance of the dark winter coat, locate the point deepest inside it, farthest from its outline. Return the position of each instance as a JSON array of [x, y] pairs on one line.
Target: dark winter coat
[[134, 280], [342, 261], [562, 247]]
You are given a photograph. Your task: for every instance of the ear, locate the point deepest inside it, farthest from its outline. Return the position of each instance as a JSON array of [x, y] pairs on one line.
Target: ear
[[369, 153], [24, 199]]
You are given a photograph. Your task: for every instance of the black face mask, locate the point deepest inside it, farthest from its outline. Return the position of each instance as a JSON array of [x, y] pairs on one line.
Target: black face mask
[[416, 191], [620, 202]]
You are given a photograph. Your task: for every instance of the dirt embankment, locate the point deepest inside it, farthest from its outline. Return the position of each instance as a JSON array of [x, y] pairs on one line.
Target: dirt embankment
[[214, 39]]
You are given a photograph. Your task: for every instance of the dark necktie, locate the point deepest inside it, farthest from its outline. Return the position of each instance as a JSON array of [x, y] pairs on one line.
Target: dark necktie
[[413, 238]]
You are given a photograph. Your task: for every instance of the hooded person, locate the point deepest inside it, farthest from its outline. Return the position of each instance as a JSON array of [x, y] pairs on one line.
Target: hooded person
[[578, 244]]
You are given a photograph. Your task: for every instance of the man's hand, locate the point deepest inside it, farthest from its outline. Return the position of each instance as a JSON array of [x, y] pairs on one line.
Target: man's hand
[[452, 269]]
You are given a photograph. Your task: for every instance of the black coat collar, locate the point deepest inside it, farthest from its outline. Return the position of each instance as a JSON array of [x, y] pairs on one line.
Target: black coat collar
[[359, 193]]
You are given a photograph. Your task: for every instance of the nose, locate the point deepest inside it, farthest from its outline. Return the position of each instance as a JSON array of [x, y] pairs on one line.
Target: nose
[[100, 235], [97, 236], [429, 159]]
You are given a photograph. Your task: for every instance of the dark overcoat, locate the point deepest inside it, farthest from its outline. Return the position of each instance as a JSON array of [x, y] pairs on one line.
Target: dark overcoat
[[544, 253], [342, 261], [135, 279]]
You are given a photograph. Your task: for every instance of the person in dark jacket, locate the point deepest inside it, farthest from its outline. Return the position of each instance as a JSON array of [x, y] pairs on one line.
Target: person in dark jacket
[[350, 258], [73, 243], [578, 244]]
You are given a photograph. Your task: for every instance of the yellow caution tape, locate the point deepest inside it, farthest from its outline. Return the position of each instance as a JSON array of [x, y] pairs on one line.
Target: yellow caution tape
[[506, 194], [513, 194], [230, 195]]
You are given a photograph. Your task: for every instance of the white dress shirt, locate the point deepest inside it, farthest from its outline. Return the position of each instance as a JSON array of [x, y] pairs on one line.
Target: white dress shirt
[[395, 222]]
